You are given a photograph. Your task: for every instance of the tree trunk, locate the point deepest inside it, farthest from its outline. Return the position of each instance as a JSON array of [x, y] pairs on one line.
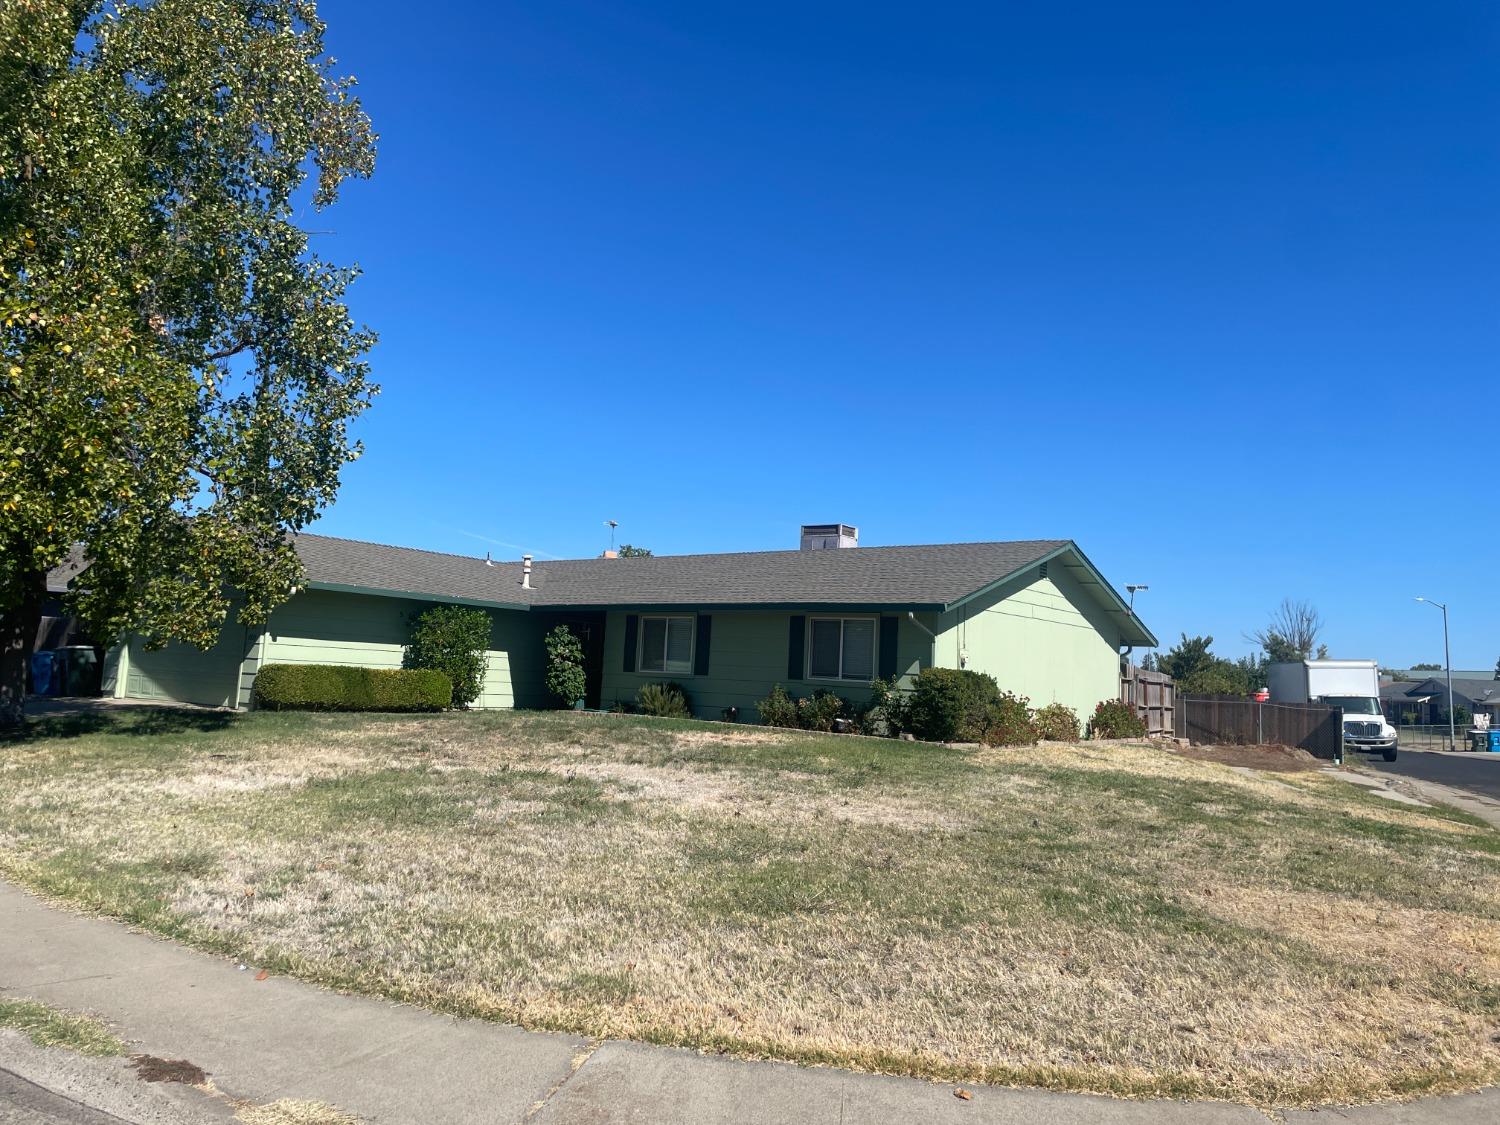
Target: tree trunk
[[18, 626]]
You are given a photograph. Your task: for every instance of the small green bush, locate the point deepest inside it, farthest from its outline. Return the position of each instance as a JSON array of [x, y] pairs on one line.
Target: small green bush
[[1056, 722], [338, 687], [452, 639], [665, 701], [820, 710], [1115, 719], [951, 704], [1008, 722], [778, 709], [566, 679], [827, 711], [885, 713]]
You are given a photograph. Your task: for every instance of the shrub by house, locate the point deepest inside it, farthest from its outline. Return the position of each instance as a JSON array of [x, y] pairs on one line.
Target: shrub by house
[[452, 639], [566, 679]]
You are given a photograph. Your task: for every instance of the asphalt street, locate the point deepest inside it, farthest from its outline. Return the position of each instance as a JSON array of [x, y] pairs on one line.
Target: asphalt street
[[1476, 773]]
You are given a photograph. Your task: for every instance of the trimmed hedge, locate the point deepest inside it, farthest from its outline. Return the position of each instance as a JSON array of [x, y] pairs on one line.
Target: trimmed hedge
[[339, 687]]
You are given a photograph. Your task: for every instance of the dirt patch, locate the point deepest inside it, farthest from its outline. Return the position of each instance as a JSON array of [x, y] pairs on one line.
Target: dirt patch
[[1278, 759], [290, 1111], [149, 1068]]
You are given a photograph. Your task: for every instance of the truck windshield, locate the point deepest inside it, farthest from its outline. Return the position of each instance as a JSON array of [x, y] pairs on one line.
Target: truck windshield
[[1354, 704]]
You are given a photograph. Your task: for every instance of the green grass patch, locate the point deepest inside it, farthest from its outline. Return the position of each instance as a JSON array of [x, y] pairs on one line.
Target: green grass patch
[[49, 1027]]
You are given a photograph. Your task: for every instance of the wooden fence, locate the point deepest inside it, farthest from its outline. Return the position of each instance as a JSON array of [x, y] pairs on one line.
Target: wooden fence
[[1235, 720], [1154, 697]]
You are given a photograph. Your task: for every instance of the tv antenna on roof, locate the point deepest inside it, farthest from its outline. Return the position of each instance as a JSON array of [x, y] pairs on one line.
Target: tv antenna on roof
[[612, 524]]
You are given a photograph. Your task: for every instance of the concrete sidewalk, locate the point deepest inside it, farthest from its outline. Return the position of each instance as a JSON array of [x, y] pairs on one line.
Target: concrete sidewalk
[[388, 1063]]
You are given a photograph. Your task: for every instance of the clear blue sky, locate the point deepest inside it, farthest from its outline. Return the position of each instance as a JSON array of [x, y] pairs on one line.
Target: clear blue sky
[[1210, 289]]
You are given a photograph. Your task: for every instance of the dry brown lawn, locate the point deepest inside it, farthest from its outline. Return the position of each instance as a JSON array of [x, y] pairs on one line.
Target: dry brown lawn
[[1103, 918]]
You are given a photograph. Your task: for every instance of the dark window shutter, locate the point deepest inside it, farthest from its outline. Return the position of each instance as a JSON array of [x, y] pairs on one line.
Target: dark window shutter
[[890, 630], [700, 646], [632, 626], [796, 642]]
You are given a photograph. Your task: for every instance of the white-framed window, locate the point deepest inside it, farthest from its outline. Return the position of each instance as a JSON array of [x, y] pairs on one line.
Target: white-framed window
[[666, 644], [841, 648]]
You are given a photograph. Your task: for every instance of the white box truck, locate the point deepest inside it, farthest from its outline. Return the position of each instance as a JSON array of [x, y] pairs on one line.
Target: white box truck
[[1353, 685]]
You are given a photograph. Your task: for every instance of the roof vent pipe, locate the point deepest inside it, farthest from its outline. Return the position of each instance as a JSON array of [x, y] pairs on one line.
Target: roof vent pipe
[[525, 572]]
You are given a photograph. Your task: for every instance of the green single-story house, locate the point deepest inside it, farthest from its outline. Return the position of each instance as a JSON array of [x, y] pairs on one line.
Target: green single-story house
[[1036, 614]]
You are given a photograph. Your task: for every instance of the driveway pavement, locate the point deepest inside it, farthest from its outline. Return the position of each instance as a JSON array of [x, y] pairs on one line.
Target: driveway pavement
[[264, 1040]]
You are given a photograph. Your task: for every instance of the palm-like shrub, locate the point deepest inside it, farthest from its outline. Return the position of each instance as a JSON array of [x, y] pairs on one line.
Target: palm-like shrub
[[665, 701]]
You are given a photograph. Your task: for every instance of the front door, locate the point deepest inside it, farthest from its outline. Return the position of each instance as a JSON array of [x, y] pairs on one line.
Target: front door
[[589, 629]]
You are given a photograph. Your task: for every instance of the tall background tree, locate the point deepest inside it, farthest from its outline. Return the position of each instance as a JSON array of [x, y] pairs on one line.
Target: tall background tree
[[630, 551], [177, 368], [1291, 634]]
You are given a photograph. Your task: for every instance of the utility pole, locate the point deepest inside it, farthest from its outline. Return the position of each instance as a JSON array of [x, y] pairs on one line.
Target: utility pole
[[1447, 664]]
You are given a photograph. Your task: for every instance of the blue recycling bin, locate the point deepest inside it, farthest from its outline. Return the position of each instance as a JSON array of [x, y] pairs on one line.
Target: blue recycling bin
[[44, 669], [1495, 742]]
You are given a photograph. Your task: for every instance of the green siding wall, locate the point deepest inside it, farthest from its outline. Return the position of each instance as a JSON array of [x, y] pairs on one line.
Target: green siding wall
[[747, 657], [1044, 638], [185, 674], [322, 627], [326, 627]]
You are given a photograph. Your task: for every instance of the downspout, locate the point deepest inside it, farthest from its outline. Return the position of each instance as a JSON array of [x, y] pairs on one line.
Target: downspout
[[931, 648]]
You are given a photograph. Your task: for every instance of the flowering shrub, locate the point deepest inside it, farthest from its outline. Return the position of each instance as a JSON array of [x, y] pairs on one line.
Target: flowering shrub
[[1056, 722], [1008, 722], [1114, 719]]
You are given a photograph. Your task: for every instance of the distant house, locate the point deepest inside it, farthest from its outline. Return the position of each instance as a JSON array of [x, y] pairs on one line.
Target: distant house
[[1426, 701], [1036, 614]]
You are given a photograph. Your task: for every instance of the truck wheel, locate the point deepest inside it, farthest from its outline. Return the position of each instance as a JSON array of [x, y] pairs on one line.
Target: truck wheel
[[1389, 755]]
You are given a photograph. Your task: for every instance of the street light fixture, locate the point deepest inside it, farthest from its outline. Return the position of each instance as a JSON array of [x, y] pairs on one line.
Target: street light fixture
[[1447, 664], [1132, 588]]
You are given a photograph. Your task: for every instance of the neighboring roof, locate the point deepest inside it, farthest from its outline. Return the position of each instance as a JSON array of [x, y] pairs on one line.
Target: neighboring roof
[[1399, 689], [1422, 675], [64, 572], [1471, 689], [935, 577]]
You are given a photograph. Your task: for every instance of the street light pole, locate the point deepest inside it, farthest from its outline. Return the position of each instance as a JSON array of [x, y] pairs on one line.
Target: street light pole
[[1448, 665]]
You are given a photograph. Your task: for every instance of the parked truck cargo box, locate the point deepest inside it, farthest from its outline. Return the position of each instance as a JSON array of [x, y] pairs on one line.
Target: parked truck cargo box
[[1352, 685]]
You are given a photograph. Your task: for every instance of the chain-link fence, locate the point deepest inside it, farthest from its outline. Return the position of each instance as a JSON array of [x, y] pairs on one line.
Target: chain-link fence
[[1431, 736]]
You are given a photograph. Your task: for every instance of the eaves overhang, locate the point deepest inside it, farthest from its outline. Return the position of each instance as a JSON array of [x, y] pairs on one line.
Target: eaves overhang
[[413, 595]]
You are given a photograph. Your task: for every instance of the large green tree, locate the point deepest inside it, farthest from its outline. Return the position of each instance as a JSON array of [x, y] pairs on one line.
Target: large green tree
[[177, 368], [1198, 671]]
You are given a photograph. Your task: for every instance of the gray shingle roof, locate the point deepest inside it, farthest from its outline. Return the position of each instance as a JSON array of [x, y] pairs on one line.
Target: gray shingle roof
[[919, 577], [926, 576]]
